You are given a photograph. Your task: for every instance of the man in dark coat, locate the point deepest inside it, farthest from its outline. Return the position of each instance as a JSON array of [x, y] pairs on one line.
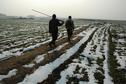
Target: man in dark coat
[[70, 27], [53, 28]]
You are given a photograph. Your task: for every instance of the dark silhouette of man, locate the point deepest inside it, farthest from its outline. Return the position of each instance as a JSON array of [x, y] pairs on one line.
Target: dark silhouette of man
[[70, 27], [53, 29]]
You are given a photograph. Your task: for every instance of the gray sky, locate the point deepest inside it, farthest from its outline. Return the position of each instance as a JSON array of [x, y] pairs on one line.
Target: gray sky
[[99, 9]]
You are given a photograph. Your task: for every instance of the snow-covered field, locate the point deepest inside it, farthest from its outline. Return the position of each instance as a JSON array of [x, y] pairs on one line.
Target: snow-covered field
[[120, 50], [85, 61], [18, 36]]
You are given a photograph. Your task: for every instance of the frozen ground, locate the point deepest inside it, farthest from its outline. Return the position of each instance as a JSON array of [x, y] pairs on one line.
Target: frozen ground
[[85, 61]]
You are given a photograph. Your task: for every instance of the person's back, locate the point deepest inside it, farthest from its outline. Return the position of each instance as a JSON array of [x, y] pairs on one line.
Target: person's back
[[70, 27], [53, 25], [69, 24], [53, 28]]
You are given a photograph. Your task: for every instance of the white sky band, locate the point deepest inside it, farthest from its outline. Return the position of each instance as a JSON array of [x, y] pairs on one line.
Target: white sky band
[[97, 9]]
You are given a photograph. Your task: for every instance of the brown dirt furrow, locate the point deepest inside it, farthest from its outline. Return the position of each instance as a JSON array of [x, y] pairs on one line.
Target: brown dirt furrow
[[22, 71], [27, 57]]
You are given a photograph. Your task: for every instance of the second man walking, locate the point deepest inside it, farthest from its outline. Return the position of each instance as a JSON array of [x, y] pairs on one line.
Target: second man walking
[[70, 28]]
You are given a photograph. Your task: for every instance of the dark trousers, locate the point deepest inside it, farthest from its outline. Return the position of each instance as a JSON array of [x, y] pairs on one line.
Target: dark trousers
[[69, 33], [54, 38]]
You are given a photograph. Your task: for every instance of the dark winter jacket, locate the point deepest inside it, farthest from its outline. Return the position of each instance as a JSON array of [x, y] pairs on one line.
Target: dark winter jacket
[[69, 24], [53, 25]]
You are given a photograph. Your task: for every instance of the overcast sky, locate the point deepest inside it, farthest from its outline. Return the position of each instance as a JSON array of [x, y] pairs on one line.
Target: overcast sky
[[99, 9]]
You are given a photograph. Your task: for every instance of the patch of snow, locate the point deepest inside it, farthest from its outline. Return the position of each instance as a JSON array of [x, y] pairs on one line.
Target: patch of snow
[[84, 60], [10, 53], [32, 47], [65, 73], [122, 41], [17, 52], [108, 79], [75, 60], [122, 35], [58, 48], [91, 72], [82, 33], [39, 58], [121, 60], [10, 74], [82, 82], [78, 75], [28, 66]]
